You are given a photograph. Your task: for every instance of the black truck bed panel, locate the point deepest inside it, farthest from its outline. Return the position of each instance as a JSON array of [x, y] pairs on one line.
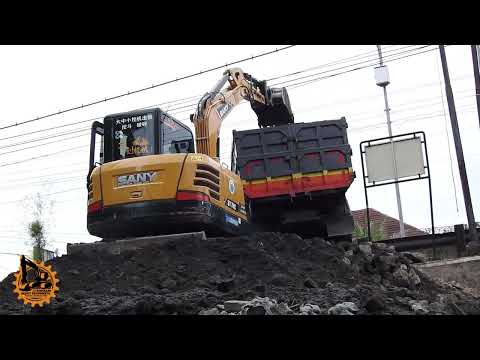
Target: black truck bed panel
[[289, 149]]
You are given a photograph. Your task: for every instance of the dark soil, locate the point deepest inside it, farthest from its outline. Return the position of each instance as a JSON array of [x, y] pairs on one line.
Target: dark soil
[[185, 277]]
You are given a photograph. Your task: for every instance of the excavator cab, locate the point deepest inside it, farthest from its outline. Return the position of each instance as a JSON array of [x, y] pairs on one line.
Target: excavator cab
[[139, 133], [149, 181]]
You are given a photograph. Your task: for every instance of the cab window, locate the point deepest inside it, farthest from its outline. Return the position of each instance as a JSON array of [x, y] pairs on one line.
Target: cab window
[[175, 137], [133, 136]]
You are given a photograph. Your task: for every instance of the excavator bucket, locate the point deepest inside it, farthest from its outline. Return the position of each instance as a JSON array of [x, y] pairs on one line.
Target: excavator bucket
[[276, 111]]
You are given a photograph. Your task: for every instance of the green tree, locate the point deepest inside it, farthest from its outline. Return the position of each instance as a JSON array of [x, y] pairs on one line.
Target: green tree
[[38, 218], [376, 231]]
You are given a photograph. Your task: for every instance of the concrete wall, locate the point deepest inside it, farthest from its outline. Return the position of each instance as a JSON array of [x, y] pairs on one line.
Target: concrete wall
[[465, 271], [441, 252]]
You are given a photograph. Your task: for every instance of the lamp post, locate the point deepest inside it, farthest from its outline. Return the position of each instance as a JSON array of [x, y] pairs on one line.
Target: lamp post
[[382, 79]]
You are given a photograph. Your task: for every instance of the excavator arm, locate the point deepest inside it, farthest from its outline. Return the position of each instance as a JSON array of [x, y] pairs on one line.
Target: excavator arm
[[271, 105]]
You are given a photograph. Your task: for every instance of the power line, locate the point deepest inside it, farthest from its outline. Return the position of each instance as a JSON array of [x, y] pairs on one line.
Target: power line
[[58, 135], [46, 181], [83, 170], [309, 81], [88, 145], [189, 107], [350, 65], [294, 86], [49, 194], [146, 88], [446, 134], [47, 143], [99, 118], [340, 61], [49, 137], [30, 171], [44, 156], [178, 100], [77, 130]]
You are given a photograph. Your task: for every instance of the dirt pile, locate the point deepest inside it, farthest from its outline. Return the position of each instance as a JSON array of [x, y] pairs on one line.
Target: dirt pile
[[265, 273]]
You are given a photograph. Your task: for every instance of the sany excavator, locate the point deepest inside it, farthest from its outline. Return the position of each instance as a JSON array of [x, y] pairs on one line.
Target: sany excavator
[[150, 180]]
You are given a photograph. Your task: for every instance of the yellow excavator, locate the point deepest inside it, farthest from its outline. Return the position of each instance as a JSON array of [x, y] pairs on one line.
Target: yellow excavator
[[150, 180]]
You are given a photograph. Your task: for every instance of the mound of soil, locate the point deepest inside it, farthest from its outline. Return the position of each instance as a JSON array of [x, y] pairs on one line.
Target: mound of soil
[[192, 276]]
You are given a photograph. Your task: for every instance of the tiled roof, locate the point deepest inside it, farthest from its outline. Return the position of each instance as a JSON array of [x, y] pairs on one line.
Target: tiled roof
[[390, 226]]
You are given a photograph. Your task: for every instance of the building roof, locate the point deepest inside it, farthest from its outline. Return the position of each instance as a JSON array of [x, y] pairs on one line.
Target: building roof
[[390, 226]]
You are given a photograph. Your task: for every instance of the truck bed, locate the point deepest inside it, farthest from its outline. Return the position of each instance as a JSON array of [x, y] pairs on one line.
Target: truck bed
[[295, 177], [293, 159]]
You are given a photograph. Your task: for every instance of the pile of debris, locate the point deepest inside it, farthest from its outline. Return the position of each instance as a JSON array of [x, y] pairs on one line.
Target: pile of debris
[[263, 273]]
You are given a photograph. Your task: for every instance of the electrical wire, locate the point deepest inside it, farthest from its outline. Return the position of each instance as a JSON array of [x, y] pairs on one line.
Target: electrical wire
[[369, 64], [340, 61], [189, 107], [184, 100], [146, 88], [182, 107], [303, 83], [44, 156], [36, 146], [446, 134]]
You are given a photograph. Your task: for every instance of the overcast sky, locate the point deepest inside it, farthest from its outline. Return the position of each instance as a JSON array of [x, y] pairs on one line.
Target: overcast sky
[[37, 80]]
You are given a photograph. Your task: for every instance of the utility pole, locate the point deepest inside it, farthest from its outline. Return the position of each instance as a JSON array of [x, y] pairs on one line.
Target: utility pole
[[458, 147], [476, 75], [383, 81]]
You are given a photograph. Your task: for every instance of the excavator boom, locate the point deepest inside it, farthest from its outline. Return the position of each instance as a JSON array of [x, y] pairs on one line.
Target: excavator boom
[[271, 105]]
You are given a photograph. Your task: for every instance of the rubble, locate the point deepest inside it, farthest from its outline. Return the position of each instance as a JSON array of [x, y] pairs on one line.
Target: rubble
[[345, 308], [287, 275]]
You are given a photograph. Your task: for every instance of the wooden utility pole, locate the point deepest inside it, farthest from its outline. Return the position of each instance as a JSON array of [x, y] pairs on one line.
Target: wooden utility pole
[[458, 147], [476, 75]]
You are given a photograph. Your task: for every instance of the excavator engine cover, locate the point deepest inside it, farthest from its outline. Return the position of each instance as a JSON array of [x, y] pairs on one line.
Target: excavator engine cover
[[276, 111]]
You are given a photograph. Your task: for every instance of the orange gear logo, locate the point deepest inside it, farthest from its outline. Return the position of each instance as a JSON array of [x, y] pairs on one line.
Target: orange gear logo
[[35, 283]]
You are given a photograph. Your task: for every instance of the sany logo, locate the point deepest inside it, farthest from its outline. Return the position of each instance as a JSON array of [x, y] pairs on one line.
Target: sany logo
[[138, 178], [224, 109]]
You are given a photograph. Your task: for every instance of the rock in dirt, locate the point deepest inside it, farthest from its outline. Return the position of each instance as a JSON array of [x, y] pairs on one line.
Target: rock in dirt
[[401, 277], [419, 307], [256, 310], [213, 311], [310, 283], [413, 279], [345, 308], [234, 305], [225, 285], [279, 279], [169, 284], [349, 254], [379, 246], [365, 249], [415, 257], [310, 309], [78, 295], [375, 304]]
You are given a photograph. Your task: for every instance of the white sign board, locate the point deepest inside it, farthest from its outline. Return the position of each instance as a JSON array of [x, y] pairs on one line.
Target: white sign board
[[408, 155]]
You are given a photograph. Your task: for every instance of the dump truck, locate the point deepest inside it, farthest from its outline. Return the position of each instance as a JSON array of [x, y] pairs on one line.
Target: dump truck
[[151, 180], [295, 177]]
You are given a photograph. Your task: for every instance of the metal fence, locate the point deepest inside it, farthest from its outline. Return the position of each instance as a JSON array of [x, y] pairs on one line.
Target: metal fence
[[42, 254]]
